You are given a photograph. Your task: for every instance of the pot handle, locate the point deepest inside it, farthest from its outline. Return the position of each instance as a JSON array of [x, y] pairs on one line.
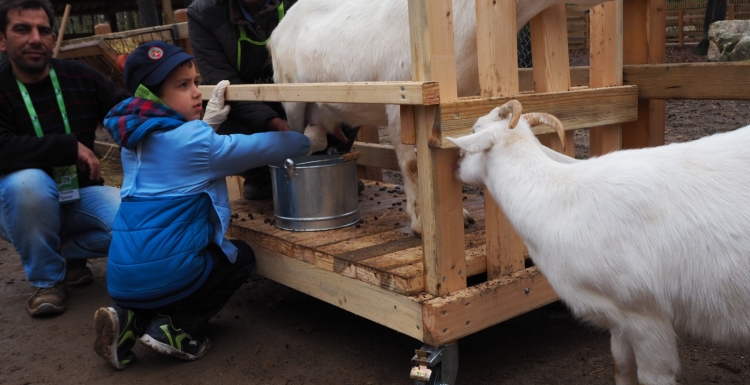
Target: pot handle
[[289, 166]]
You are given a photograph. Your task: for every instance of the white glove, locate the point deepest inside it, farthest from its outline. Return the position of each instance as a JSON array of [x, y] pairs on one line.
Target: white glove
[[216, 111], [317, 136]]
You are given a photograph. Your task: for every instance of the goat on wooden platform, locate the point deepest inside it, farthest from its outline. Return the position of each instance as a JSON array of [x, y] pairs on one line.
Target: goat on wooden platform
[[365, 41]]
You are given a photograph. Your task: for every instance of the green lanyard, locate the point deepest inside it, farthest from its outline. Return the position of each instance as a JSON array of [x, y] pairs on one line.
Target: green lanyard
[[32, 111], [243, 36]]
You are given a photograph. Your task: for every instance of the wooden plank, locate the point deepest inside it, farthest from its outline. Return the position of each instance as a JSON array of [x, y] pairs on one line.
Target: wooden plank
[[433, 58], [413, 93], [378, 155], [576, 109], [369, 135], [498, 68], [398, 312], [549, 48], [645, 44], [696, 81], [475, 308], [497, 47], [235, 187], [606, 69]]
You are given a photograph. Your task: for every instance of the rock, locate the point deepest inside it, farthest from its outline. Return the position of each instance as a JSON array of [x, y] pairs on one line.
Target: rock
[[729, 40]]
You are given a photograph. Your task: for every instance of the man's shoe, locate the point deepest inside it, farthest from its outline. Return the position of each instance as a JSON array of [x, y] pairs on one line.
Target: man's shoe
[[77, 273], [116, 333], [47, 301], [166, 339], [257, 190]]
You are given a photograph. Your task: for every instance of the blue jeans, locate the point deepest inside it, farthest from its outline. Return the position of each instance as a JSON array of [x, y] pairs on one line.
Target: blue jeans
[[46, 233]]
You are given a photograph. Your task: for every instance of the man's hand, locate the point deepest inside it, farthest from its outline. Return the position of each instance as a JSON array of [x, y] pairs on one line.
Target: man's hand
[[278, 124], [216, 110], [87, 157]]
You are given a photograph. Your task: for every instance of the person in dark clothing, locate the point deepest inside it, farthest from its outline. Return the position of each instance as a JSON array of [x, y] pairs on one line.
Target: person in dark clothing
[[228, 38], [49, 111]]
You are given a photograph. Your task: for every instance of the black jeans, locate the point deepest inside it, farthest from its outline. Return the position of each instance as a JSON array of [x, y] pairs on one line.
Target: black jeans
[[192, 312]]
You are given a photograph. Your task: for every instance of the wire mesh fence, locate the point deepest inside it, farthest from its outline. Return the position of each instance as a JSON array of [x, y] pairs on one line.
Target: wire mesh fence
[[524, 47]]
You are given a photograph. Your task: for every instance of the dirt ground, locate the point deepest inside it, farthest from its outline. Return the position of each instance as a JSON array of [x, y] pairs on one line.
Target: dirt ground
[[270, 334]]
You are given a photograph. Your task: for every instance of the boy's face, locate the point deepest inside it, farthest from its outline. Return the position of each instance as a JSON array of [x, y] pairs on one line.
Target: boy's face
[[180, 92]]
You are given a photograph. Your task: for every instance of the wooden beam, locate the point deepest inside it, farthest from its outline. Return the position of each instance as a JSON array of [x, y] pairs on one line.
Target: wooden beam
[[414, 93], [441, 210], [549, 50], [606, 69], [687, 81], [396, 311], [645, 22], [498, 68], [696, 81], [376, 155], [468, 311], [576, 109]]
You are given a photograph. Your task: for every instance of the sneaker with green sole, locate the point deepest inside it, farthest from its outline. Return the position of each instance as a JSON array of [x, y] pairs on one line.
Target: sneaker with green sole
[[116, 333], [164, 338]]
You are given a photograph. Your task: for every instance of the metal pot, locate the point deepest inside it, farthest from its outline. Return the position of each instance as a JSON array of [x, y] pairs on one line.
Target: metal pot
[[316, 192]]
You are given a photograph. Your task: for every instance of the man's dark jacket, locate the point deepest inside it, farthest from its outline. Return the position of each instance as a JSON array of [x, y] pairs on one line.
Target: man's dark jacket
[[214, 27]]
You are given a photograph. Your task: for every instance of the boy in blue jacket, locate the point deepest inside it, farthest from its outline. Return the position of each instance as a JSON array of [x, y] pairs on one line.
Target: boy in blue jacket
[[170, 269]]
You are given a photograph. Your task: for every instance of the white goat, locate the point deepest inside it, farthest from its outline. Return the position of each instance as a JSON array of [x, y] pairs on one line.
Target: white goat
[[650, 244], [368, 40]]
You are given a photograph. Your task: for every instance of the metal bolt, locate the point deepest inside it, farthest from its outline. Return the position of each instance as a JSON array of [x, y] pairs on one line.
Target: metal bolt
[[460, 272], [527, 290], [417, 327], [403, 96], [403, 88], [445, 330], [443, 279], [456, 115], [467, 323], [445, 312]]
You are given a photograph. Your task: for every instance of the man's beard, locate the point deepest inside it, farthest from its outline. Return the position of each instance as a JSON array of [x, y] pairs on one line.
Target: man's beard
[[29, 67]]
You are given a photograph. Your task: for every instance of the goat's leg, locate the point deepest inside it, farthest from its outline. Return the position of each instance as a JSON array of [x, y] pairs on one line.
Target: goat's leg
[[407, 162], [655, 346], [626, 370]]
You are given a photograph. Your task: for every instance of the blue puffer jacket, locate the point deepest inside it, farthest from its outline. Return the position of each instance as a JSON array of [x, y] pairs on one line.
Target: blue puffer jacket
[[174, 198]]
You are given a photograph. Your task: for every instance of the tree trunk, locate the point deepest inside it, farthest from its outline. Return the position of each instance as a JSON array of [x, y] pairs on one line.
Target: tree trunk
[[716, 10], [147, 13]]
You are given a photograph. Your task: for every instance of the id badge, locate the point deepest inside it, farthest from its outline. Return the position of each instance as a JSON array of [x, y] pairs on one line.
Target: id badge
[[67, 183]]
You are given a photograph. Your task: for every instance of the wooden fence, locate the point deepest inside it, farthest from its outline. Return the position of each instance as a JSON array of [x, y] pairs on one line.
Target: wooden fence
[[684, 25]]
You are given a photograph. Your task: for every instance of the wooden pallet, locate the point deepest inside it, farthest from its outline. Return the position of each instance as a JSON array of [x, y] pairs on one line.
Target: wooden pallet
[[380, 250]]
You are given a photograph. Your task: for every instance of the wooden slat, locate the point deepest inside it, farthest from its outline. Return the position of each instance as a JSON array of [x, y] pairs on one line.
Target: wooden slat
[[398, 312], [364, 171], [475, 308], [606, 69], [377, 155], [549, 47], [576, 109], [413, 93], [433, 58], [695, 81]]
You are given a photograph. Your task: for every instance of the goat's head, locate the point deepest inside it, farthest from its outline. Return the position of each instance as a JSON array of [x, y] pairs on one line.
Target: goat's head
[[504, 126]]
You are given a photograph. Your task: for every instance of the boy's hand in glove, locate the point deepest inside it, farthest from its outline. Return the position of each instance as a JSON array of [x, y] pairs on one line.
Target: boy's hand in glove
[[317, 136], [216, 111]]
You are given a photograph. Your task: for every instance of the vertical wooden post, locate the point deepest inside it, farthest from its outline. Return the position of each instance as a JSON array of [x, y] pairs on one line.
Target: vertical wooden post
[[180, 16], [587, 19], [166, 8], [549, 48], [681, 26], [433, 58], [730, 12], [606, 68], [646, 43], [369, 135], [498, 76]]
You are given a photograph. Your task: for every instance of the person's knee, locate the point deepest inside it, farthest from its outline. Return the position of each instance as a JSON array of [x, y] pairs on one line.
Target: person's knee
[[30, 190]]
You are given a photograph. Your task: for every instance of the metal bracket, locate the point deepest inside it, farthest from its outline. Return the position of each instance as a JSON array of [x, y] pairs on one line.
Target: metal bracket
[[428, 359]]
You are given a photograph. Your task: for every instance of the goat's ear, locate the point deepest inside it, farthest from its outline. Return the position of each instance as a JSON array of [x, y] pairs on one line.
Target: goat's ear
[[480, 141]]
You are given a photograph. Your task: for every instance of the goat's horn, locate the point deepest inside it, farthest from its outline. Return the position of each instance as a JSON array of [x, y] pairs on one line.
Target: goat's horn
[[511, 107], [539, 118]]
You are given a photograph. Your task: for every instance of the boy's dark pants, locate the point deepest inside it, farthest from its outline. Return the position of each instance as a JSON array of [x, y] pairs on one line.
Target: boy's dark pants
[[193, 311]]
